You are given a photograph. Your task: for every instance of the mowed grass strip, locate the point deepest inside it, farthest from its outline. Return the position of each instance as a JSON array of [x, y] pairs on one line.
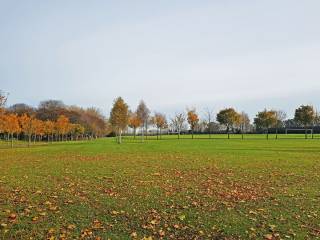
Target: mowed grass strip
[[174, 189]]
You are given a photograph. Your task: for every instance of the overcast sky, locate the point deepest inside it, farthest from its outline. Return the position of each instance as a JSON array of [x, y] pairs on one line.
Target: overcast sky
[[173, 54]]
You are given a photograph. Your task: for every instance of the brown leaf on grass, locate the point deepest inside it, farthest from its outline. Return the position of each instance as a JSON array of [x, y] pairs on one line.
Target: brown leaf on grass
[[3, 225], [71, 226], [12, 217], [134, 235], [268, 236]]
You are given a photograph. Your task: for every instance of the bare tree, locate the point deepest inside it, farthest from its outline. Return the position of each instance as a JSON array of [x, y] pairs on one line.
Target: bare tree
[[178, 121], [281, 117], [143, 114], [3, 100], [244, 123], [209, 119]]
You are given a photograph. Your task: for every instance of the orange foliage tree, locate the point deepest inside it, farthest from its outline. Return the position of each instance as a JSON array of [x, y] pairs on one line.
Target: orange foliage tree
[[134, 123], [11, 125], [193, 119], [76, 130], [27, 126], [119, 117], [39, 129], [62, 126], [160, 121], [49, 128]]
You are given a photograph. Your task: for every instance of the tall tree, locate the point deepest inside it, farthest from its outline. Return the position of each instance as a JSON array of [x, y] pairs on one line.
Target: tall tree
[[76, 130], [39, 129], [49, 128], [143, 113], [160, 122], [119, 117], [62, 126], [305, 116], [281, 117], [134, 123], [178, 122], [3, 100], [228, 117], [12, 125], [265, 120], [244, 123], [193, 119], [21, 108], [27, 126], [51, 110], [209, 120]]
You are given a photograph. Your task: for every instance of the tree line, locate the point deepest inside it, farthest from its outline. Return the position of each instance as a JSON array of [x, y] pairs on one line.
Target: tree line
[[122, 117], [51, 121]]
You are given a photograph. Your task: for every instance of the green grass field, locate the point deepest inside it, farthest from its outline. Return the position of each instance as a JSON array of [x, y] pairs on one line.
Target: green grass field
[[170, 189]]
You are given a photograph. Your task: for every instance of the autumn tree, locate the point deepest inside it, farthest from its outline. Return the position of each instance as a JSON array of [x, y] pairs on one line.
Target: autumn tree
[[11, 125], [119, 117], [39, 129], [143, 113], [62, 126], [160, 122], [193, 119], [76, 130], [305, 116], [228, 117], [95, 122], [27, 126], [49, 128], [134, 123], [21, 109], [265, 120], [244, 123], [51, 110], [178, 122]]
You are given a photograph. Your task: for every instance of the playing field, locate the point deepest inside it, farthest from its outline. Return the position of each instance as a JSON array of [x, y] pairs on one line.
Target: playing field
[[170, 189]]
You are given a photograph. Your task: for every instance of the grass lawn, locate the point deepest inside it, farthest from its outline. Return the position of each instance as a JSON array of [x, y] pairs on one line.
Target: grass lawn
[[170, 189]]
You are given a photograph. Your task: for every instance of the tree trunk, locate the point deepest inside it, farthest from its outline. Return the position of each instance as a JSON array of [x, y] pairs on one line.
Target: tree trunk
[[157, 133], [160, 133], [134, 133], [119, 138], [11, 140], [276, 133], [29, 140], [228, 132], [192, 133], [142, 134], [146, 128], [305, 133], [267, 134]]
